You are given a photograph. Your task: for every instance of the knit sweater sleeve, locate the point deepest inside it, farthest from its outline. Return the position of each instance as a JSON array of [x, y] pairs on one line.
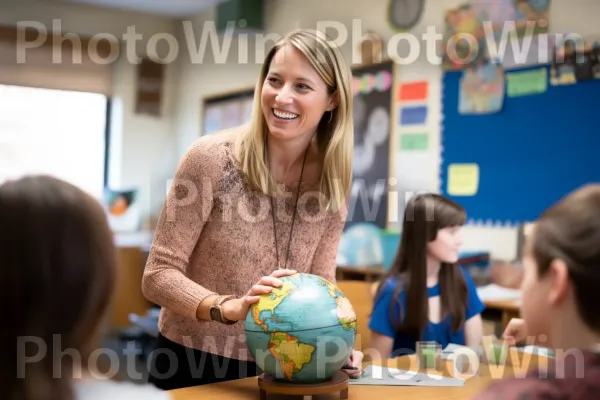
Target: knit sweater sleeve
[[184, 214], [324, 260]]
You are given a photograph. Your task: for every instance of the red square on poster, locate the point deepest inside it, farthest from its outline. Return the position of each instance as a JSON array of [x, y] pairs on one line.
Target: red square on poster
[[413, 91]]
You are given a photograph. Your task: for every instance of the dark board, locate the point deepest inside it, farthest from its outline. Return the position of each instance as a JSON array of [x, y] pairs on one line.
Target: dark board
[[373, 86], [531, 154]]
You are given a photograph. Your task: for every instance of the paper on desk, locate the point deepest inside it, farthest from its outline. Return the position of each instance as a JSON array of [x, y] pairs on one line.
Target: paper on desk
[[376, 375], [496, 292], [537, 350]]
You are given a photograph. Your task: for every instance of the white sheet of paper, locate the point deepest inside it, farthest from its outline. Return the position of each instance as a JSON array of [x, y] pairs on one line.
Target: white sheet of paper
[[496, 292], [376, 375]]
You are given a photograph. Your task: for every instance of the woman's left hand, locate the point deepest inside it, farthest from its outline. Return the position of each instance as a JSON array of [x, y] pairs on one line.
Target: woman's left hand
[[354, 361]]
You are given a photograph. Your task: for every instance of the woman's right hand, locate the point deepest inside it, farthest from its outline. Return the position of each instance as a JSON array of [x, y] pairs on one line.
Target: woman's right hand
[[515, 331], [237, 309]]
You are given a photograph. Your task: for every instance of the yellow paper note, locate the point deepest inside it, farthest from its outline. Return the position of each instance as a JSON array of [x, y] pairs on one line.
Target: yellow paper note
[[463, 179]]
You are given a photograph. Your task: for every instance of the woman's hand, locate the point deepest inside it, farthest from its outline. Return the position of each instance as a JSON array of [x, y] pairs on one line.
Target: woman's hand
[[353, 367], [515, 331], [237, 309]]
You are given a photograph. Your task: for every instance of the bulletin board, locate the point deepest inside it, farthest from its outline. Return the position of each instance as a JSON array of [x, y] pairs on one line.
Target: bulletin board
[[226, 110], [523, 158]]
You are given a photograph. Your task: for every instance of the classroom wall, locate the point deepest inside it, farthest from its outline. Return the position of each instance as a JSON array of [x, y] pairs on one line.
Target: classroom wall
[[142, 147], [146, 150], [418, 169]]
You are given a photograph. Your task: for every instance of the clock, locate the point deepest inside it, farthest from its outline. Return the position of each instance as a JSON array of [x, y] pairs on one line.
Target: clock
[[405, 14]]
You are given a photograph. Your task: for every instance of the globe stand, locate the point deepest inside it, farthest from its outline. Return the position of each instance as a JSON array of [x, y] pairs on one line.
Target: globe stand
[[338, 383]]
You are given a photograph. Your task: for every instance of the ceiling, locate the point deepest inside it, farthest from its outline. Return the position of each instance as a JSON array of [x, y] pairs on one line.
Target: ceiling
[[166, 8]]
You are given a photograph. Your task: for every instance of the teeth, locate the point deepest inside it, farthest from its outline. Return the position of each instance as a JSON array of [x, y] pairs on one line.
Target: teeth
[[284, 115]]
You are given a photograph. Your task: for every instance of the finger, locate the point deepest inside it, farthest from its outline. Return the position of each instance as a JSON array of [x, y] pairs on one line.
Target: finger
[[352, 373], [509, 332], [251, 299], [270, 281], [278, 273], [259, 289]]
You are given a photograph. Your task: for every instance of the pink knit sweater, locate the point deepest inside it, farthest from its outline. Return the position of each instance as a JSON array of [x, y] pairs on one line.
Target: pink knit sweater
[[215, 235]]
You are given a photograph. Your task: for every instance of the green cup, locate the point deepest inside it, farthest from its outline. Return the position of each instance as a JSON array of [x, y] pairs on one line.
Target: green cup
[[497, 353], [429, 355]]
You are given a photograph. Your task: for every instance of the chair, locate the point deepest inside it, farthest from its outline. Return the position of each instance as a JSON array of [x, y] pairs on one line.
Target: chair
[[360, 295]]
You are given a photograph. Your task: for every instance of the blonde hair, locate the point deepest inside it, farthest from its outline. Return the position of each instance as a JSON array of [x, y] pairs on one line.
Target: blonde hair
[[335, 131]]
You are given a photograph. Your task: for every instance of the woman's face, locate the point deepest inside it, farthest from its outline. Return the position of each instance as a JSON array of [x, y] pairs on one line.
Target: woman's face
[[294, 97], [446, 245]]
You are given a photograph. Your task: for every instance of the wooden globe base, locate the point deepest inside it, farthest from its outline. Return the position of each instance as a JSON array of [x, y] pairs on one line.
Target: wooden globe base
[[338, 383]]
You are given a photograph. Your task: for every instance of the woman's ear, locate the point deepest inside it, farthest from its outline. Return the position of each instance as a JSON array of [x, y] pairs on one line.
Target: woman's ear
[[558, 275], [334, 100]]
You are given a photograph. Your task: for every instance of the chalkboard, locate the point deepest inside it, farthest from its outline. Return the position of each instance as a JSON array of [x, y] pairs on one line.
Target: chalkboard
[[532, 153], [372, 85]]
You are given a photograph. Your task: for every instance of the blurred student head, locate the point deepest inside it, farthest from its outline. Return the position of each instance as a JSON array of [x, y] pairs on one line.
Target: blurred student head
[[56, 283], [562, 269]]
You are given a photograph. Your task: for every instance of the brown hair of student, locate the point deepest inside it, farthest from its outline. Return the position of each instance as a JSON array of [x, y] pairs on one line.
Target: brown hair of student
[[56, 284], [424, 216], [570, 231]]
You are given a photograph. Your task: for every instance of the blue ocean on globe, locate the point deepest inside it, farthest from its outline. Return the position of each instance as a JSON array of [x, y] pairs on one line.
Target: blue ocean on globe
[[302, 332]]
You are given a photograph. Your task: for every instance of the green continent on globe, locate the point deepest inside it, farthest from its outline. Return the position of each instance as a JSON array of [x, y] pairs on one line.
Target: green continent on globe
[[291, 354], [345, 312], [269, 302]]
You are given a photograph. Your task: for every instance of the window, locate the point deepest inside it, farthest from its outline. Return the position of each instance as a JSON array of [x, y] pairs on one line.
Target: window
[[56, 132]]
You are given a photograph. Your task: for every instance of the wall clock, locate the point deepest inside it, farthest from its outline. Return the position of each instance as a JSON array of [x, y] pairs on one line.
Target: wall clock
[[404, 14]]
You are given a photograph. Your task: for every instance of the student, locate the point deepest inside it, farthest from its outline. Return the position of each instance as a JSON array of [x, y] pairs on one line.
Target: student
[[426, 295], [560, 302], [57, 280]]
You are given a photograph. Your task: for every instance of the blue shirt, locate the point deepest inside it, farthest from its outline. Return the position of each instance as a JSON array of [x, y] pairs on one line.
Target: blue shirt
[[441, 332]]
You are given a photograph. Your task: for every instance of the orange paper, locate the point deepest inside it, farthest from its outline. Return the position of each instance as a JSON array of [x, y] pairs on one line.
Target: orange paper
[[413, 91]]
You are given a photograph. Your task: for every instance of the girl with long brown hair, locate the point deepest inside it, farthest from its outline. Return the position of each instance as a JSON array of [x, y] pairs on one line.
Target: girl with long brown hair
[[426, 295]]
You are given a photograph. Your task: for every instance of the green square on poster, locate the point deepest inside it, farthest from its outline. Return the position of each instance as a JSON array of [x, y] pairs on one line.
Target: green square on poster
[[414, 141]]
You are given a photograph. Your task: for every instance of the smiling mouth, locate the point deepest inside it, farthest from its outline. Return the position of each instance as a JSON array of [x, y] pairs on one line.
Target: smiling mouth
[[284, 115]]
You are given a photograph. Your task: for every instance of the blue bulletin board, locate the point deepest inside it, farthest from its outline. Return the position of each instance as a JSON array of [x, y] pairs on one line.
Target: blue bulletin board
[[530, 154]]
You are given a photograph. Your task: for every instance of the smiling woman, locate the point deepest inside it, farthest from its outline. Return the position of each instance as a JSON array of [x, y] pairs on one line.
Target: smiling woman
[[241, 207]]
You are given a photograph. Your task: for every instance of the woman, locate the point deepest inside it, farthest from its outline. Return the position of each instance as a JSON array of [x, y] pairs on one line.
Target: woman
[[251, 205], [561, 280], [57, 280], [426, 295]]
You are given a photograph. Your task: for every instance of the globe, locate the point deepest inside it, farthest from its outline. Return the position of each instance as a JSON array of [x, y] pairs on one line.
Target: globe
[[303, 331], [361, 246]]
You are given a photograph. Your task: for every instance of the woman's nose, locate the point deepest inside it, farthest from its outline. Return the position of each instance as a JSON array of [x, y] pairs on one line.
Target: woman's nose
[[284, 96]]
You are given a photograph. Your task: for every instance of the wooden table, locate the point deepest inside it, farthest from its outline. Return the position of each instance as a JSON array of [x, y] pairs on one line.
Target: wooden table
[[509, 309], [248, 388]]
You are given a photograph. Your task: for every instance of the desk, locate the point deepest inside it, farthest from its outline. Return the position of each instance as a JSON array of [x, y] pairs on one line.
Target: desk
[[509, 309], [248, 388]]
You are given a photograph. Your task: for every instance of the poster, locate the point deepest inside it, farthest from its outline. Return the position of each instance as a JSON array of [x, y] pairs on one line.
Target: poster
[[373, 92], [574, 63], [527, 82], [473, 26], [227, 111], [482, 90]]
